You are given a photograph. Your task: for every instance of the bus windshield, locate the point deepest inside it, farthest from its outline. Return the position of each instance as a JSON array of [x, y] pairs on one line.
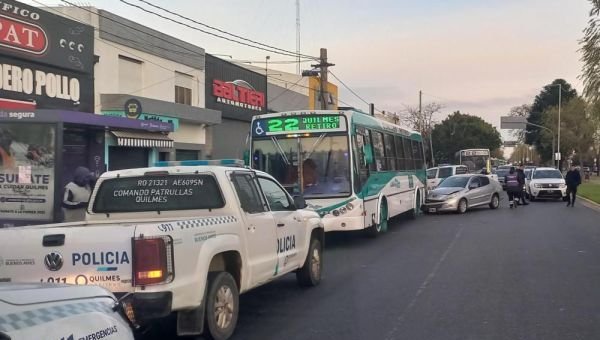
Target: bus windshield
[[325, 163]]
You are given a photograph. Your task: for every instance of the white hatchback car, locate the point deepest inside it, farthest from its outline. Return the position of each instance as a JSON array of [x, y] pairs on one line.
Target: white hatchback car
[[58, 311], [547, 183]]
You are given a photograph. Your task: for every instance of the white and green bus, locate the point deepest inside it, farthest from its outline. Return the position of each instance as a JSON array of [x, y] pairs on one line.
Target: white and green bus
[[355, 170]]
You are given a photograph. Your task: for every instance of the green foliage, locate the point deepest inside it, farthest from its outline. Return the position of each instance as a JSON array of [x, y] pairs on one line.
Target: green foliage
[[590, 49], [576, 132], [462, 131], [546, 99]]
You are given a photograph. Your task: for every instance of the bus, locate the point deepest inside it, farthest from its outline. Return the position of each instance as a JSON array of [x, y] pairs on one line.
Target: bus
[[355, 170], [474, 159]]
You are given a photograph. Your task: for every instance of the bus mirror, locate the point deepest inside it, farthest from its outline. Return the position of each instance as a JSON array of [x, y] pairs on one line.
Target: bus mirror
[[299, 202], [247, 157], [368, 151]]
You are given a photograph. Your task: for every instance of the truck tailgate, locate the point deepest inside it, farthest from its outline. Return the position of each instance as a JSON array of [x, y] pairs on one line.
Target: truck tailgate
[[96, 254]]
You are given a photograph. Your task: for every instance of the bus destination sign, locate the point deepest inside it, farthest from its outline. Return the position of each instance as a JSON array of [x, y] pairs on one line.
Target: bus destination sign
[[298, 124]]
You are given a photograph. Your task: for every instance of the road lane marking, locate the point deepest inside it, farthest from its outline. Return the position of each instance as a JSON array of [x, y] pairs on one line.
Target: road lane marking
[[424, 285]]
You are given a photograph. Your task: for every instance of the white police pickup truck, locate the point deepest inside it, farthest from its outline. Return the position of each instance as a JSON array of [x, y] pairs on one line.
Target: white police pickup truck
[[184, 239]]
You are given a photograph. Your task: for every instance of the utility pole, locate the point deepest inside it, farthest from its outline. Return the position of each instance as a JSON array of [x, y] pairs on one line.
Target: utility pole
[[267, 83], [559, 102], [323, 66]]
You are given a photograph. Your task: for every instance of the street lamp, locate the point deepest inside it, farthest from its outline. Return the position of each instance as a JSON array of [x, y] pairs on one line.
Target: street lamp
[[558, 127]]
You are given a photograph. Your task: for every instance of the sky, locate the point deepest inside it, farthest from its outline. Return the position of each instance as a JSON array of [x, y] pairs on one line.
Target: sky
[[481, 57]]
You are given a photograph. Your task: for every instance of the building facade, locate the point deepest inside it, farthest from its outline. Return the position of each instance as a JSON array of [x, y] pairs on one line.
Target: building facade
[[146, 75]]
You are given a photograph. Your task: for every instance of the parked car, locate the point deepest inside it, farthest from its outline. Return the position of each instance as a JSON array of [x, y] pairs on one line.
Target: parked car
[[461, 192], [501, 172], [547, 183], [528, 172], [438, 174], [59, 311], [183, 240]]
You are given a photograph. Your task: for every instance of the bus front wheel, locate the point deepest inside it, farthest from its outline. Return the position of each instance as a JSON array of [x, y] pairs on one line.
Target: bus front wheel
[[382, 225]]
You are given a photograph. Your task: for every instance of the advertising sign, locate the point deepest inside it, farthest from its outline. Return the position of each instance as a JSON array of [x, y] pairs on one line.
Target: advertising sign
[[237, 92], [31, 33], [27, 171], [47, 87]]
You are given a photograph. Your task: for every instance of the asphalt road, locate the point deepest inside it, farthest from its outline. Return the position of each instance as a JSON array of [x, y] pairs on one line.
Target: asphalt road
[[529, 273]]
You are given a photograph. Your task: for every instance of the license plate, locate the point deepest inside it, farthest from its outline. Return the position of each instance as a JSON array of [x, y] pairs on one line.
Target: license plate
[[432, 210]]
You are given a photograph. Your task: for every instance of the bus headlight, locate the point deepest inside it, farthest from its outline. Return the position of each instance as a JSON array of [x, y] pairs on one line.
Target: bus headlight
[[343, 210], [349, 206], [335, 213]]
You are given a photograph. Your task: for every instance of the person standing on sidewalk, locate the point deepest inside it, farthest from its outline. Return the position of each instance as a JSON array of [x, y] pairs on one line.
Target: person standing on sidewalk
[[513, 189], [521, 178], [573, 179]]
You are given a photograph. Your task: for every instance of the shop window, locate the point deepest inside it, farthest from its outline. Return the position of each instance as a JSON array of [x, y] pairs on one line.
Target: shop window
[[163, 156], [183, 95]]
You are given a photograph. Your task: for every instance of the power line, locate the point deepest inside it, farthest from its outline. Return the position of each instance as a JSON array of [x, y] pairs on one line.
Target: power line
[[349, 89], [132, 27], [221, 31], [288, 54]]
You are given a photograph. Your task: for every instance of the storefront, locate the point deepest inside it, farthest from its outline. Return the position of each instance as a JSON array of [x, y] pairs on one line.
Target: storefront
[[187, 141], [40, 150], [239, 94]]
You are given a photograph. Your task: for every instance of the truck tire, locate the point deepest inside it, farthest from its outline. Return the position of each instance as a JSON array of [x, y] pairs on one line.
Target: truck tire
[[222, 306], [310, 273]]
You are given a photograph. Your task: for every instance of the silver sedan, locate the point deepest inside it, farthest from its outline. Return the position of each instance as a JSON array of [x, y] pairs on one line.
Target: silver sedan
[[461, 192]]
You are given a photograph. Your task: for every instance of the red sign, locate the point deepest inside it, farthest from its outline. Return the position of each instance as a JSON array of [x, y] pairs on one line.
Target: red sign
[[22, 36], [238, 93], [10, 104]]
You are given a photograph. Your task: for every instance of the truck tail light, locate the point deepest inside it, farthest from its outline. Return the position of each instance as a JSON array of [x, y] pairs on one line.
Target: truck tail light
[[152, 260]]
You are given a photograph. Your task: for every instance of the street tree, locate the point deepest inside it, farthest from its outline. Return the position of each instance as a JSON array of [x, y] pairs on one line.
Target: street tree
[[520, 111], [523, 154], [423, 122], [462, 131], [577, 131], [546, 99], [590, 49]]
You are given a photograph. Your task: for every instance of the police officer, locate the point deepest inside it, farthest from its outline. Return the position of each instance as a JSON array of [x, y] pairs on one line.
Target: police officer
[[513, 188]]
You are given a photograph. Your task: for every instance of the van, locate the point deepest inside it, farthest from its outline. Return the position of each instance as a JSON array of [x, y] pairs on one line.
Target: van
[[437, 174]]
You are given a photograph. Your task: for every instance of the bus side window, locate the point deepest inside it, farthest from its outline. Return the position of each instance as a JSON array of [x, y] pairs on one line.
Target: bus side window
[[400, 163], [377, 138], [361, 170], [408, 157], [417, 154], [390, 153]]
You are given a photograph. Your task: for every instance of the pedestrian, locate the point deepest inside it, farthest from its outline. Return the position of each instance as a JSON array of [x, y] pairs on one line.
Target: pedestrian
[[573, 179], [513, 189], [77, 195], [521, 178]]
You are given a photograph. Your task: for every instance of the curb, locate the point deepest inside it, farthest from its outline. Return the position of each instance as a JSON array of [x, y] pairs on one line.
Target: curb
[[589, 203]]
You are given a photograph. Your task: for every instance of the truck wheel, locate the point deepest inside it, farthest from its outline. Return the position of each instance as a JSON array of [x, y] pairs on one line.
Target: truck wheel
[[222, 305], [310, 273]]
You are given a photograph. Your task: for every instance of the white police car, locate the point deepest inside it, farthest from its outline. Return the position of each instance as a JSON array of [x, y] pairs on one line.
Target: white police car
[[60, 312]]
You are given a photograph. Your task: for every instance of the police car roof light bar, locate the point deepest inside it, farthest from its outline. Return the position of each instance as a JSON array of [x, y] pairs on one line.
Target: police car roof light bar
[[213, 162]]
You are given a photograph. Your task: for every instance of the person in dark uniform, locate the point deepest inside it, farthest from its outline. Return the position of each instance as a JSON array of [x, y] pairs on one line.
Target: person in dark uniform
[[513, 188], [572, 179], [521, 178]]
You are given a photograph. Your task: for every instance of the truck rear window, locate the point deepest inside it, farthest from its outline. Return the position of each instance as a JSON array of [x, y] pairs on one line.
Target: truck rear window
[[158, 193]]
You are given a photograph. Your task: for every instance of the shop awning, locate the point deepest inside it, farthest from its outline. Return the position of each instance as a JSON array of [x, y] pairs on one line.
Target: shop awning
[[140, 139]]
